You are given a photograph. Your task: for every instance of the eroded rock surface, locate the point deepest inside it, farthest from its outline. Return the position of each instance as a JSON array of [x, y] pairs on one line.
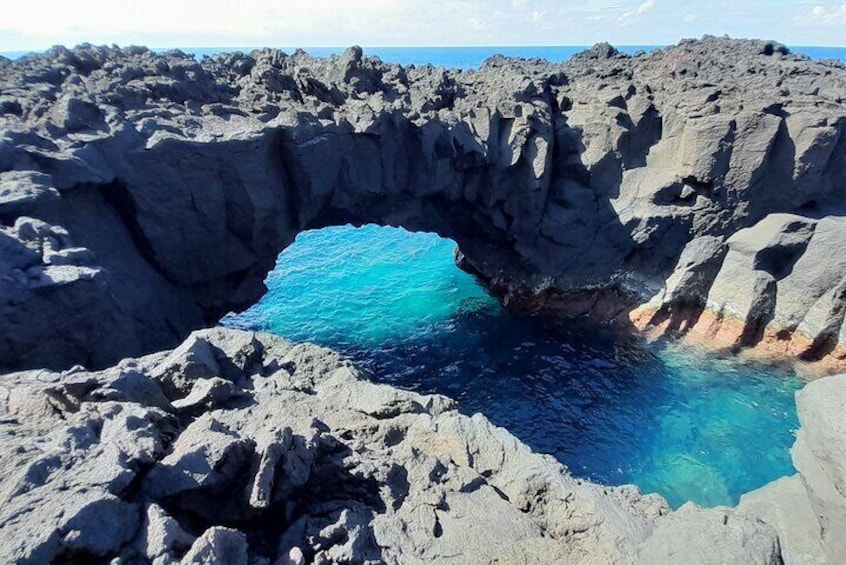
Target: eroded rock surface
[[784, 505], [308, 463], [818, 454], [808, 510], [144, 195]]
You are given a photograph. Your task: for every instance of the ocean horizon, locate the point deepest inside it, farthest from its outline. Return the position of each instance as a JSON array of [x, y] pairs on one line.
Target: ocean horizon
[[463, 57]]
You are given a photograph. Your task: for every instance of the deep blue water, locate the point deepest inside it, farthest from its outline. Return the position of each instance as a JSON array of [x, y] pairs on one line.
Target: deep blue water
[[469, 57], [686, 424]]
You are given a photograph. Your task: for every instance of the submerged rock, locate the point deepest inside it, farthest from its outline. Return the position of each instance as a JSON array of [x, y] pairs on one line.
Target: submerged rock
[[312, 464], [144, 195]]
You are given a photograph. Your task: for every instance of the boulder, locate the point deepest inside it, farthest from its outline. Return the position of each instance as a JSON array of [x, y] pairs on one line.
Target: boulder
[[161, 535], [206, 454], [218, 546]]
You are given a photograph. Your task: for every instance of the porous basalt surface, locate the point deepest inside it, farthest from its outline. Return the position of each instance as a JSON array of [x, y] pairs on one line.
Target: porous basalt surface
[[240, 448], [700, 187]]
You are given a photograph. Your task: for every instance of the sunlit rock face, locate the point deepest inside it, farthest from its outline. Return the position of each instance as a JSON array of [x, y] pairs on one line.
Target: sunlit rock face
[[144, 195], [239, 448]]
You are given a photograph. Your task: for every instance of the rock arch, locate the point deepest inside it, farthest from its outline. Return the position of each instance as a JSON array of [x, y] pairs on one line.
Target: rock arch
[[147, 194]]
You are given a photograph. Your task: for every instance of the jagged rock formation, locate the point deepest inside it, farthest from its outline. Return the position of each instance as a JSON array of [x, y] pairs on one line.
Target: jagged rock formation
[[691, 189], [241, 448]]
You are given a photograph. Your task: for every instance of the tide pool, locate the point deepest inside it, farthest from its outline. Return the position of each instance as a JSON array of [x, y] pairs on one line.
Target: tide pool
[[687, 424]]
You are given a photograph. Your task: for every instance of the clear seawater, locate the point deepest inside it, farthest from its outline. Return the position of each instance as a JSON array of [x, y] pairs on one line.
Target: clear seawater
[[468, 57], [686, 424]]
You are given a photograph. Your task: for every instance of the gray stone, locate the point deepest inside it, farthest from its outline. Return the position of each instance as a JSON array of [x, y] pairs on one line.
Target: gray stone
[[194, 359], [218, 546], [101, 527], [161, 535], [22, 192], [206, 454], [713, 536], [758, 258], [261, 494], [784, 505], [315, 462], [818, 455], [207, 393], [151, 192]]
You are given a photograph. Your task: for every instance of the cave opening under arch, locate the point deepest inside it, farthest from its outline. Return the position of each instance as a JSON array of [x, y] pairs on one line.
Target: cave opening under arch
[[670, 419]]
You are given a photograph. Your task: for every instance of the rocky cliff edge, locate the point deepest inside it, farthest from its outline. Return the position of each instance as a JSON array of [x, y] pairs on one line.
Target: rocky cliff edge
[[697, 189], [241, 448]]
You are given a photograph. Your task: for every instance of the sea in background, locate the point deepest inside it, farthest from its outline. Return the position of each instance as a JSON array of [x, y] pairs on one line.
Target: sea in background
[[467, 57], [675, 420]]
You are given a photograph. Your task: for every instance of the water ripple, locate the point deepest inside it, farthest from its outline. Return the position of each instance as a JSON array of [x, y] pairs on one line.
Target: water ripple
[[686, 424]]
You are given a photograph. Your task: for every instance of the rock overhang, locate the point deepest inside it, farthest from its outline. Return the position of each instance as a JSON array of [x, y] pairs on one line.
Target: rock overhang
[[183, 179]]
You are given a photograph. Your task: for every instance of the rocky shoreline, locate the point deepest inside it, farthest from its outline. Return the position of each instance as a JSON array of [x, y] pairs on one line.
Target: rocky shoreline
[[239, 448], [145, 195], [696, 191]]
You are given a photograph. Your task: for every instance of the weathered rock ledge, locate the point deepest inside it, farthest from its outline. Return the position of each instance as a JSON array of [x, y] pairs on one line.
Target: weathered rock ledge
[[145, 195], [242, 448]]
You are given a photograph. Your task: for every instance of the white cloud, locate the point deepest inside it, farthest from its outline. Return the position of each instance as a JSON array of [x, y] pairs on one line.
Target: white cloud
[[646, 7], [477, 23], [641, 9], [834, 15], [246, 20]]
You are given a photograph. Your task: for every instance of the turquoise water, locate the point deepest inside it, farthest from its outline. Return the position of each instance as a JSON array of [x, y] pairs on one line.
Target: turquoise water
[[469, 57], [686, 424]]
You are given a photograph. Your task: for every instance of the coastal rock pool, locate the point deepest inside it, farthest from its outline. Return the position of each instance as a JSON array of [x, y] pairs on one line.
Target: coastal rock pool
[[686, 424]]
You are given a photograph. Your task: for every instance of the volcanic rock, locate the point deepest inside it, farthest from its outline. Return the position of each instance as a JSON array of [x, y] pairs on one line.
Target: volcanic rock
[[144, 195], [310, 463]]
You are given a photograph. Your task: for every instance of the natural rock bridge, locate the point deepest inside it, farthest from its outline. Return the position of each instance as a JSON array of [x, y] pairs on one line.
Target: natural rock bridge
[[696, 189]]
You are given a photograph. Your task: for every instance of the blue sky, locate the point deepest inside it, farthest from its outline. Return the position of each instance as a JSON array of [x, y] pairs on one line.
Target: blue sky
[[37, 24]]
